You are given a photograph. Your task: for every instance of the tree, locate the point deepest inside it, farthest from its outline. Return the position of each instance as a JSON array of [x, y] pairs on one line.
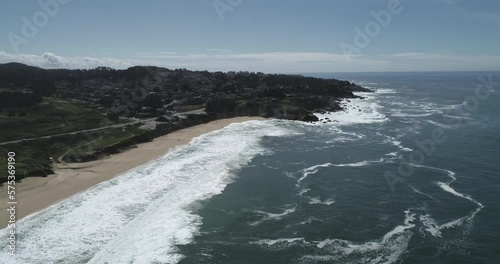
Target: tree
[[152, 100]]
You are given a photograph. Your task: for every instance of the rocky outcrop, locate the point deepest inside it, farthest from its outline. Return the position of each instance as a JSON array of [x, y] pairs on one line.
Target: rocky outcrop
[[309, 118]]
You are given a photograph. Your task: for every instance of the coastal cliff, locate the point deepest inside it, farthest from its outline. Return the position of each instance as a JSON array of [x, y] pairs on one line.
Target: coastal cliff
[[62, 115]]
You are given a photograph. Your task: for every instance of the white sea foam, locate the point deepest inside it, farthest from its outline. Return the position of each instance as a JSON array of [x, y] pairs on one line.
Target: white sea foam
[[446, 187], [267, 216], [274, 242], [356, 111], [450, 173], [303, 191], [435, 229], [411, 109], [394, 155], [311, 170], [309, 221], [394, 243], [359, 163], [269, 166], [142, 215], [314, 169], [399, 113], [439, 124], [342, 136], [354, 164], [388, 249], [319, 258], [401, 147], [385, 91], [290, 175], [421, 193], [317, 200], [395, 142], [399, 229], [431, 225]]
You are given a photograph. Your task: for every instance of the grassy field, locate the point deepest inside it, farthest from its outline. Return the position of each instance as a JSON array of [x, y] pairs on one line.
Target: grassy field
[[102, 143], [51, 116], [55, 116]]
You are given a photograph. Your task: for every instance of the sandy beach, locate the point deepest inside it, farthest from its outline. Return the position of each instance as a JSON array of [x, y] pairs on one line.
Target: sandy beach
[[36, 193]]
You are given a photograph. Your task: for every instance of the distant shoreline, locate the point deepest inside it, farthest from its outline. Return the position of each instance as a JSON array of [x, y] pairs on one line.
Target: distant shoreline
[[37, 193]]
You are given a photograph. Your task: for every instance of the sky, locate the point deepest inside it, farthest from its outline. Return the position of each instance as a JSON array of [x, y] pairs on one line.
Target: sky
[[278, 36]]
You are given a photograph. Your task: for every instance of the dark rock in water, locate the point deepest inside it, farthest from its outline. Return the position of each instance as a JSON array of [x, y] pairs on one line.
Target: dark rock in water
[[321, 111], [309, 117], [357, 88]]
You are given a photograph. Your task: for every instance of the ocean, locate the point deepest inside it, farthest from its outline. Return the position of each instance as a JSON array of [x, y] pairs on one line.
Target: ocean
[[409, 174]]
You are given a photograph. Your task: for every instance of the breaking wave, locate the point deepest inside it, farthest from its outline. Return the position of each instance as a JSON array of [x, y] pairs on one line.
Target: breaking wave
[[143, 215]]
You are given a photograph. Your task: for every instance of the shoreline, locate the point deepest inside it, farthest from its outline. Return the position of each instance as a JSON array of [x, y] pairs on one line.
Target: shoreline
[[34, 194]]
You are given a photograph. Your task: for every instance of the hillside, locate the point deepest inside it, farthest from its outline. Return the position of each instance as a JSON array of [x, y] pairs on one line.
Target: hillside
[[62, 115], [153, 91]]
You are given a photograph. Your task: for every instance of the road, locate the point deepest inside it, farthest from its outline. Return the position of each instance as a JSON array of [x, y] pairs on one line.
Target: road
[[195, 112], [78, 132]]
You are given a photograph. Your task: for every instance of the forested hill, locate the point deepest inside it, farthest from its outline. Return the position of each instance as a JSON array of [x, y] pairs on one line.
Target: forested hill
[[153, 91]]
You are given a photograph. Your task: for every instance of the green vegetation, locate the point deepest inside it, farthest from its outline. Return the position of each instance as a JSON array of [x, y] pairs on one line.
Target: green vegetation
[[266, 107], [35, 157], [105, 142], [51, 116], [46, 129], [193, 107], [55, 116]]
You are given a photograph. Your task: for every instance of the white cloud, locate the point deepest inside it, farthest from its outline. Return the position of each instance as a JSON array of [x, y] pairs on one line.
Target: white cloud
[[218, 50], [410, 54], [155, 53], [278, 62], [49, 60]]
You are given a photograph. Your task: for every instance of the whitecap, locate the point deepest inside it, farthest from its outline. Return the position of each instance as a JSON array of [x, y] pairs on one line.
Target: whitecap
[[356, 111], [142, 215], [388, 249], [317, 200], [421, 193], [267, 216], [314, 169], [432, 226]]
